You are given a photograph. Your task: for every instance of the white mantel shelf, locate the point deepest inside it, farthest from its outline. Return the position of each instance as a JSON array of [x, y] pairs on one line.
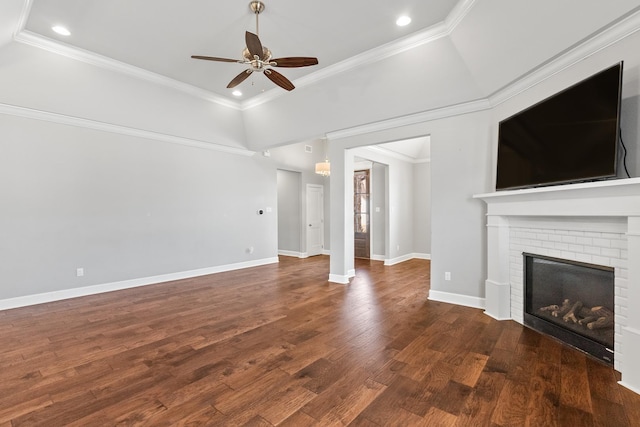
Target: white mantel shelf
[[617, 199]]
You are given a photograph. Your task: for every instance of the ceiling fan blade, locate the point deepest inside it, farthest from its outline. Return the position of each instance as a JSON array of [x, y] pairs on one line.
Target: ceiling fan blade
[[279, 79], [213, 58], [239, 78], [254, 45], [295, 61]]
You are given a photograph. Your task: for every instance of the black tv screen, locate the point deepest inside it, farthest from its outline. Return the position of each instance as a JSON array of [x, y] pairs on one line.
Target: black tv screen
[[569, 137]]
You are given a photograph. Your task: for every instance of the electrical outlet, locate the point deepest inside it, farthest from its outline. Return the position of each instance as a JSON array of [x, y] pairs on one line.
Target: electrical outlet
[[447, 275], [79, 272]]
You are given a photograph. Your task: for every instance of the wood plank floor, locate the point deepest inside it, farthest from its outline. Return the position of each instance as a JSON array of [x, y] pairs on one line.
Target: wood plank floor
[[278, 345]]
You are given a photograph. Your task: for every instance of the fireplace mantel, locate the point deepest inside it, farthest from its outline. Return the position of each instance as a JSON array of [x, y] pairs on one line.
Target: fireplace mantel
[[620, 197], [603, 200]]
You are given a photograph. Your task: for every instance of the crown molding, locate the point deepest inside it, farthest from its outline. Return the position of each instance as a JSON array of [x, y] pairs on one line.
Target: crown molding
[[57, 47], [457, 14], [425, 116], [598, 42], [31, 113], [24, 15]]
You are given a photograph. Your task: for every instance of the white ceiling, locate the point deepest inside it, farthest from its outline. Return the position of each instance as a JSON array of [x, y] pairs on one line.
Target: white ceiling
[[160, 35]]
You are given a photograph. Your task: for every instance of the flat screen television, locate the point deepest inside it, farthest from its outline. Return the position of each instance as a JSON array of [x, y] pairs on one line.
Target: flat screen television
[[569, 137]]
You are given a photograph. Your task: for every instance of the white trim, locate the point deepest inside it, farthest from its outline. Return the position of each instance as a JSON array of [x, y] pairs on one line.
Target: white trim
[[457, 14], [495, 317], [31, 113], [338, 278], [92, 58], [403, 258], [293, 254], [457, 299], [24, 15], [595, 44], [351, 273], [125, 284], [378, 257], [326, 252], [412, 119], [398, 260]]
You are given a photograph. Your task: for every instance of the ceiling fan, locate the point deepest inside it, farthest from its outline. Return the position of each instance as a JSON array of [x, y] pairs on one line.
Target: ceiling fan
[[258, 58]]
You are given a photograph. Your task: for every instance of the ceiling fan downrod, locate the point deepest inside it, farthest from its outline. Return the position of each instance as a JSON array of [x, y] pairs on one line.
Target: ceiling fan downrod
[[256, 7]]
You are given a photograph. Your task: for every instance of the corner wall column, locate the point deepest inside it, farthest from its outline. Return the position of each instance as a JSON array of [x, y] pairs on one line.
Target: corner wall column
[[497, 285]]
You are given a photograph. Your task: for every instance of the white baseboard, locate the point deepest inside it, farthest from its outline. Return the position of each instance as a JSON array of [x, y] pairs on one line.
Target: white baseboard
[[398, 260], [337, 278], [377, 257], [27, 300], [403, 258], [457, 299], [326, 252], [293, 254]]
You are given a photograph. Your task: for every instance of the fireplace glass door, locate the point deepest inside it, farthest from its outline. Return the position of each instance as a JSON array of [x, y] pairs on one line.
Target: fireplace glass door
[[571, 301]]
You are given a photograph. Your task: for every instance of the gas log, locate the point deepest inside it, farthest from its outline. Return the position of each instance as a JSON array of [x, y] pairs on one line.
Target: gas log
[[598, 317]]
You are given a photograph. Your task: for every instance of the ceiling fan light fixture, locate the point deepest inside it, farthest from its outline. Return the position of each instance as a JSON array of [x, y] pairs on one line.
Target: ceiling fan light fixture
[[403, 21], [236, 93]]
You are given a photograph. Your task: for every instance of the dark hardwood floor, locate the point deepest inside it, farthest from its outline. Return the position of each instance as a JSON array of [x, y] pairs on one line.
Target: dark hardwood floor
[[279, 345]]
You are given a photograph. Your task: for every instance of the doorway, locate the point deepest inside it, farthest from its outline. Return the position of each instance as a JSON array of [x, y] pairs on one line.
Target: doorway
[[361, 211]]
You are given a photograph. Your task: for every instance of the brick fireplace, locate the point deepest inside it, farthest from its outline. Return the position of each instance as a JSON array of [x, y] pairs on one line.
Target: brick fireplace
[[597, 223]]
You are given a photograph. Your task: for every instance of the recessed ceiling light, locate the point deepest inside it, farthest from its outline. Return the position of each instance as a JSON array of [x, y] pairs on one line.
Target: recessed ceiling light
[[236, 93], [63, 31], [402, 21]]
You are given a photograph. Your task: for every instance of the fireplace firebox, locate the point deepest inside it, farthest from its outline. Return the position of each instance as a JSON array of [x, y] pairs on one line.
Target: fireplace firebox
[[571, 301]]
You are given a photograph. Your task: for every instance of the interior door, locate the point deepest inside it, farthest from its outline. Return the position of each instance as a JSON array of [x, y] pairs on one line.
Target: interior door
[[315, 219], [361, 211]]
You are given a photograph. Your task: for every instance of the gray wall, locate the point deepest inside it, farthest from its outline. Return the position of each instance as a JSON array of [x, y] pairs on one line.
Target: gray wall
[[422, 208], [378, 200], [123, 207], [289, 211]]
